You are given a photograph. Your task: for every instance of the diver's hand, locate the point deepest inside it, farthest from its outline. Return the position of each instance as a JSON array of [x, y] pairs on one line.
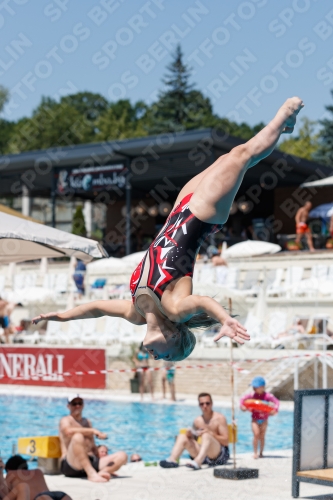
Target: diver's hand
[[53, 316], [233, 329]]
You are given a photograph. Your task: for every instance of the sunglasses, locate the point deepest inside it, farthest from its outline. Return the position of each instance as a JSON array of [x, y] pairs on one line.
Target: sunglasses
[[136, 460], [77, 403], [205, 403]]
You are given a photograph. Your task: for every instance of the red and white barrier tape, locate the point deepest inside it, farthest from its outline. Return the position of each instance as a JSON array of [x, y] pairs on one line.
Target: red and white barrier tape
[[208, 365]]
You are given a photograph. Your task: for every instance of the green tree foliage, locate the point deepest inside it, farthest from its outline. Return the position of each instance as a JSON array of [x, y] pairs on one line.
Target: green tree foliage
[[6, 132], [6, 127], [78, 224], [122, 121], [324, 154], [179, 105], [88, 104], [4, 95], [52, 124], [305, 144]]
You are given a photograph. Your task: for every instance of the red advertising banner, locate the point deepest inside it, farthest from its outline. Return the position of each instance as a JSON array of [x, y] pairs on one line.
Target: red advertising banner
[[47, 366]]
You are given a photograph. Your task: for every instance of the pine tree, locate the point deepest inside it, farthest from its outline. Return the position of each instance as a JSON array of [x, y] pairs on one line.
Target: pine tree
[[78, 223], [179, 106], [324, 154], [4, 96]]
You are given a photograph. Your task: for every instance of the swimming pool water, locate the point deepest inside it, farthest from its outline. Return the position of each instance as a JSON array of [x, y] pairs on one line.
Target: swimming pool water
[[147, 429]]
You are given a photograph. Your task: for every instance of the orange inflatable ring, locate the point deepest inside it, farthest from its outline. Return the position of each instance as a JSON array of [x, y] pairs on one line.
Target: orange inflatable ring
[[259, 405]]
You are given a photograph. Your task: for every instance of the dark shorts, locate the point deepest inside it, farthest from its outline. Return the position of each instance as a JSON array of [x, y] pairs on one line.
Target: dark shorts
[[68, 471], [4, 321], [221, 459], [55, 495]]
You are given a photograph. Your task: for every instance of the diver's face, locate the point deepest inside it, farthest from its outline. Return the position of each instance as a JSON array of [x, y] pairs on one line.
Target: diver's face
[[161, 344]]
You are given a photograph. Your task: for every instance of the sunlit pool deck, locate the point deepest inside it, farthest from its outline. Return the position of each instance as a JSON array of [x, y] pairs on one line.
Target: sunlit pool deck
[[137, 482]]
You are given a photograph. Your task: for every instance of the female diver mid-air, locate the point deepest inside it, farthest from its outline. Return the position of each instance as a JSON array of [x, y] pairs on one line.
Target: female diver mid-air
[[161, 285]]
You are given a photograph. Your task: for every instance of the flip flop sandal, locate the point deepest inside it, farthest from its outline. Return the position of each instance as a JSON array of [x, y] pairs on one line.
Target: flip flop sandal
[[168, 465]]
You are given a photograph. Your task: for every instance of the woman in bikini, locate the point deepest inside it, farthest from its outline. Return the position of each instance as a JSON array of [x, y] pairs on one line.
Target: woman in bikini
[[161, 285]]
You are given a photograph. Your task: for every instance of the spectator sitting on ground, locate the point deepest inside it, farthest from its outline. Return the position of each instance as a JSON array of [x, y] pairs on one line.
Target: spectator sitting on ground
[[212, 427], [102, 451], [79, 454], [20, 492], [30, 481]]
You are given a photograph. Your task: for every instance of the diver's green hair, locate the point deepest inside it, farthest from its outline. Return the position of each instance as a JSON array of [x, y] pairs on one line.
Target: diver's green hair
[[187, 339]]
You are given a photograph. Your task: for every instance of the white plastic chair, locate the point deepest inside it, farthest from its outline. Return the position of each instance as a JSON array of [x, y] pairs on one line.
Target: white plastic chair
[[49, 281], [30, 280], [19, 281], [277, 323], [250, 283], [253, 325], [293, 278], [317, 283], [231, 280], [52, 332], [2, 283], [207, 274], [89, 331], [61, 283], [319, 271], [330, 273], [111, 332], [74, 332], [275, 287], [31, 337], [221, 274]]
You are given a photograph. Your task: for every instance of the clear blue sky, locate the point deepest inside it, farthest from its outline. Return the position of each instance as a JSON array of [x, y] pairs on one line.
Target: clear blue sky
[[248, 57]]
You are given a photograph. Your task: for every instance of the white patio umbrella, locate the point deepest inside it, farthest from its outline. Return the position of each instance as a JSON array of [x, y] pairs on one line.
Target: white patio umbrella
[[22, 240], [250, 248], [134, 258], [109, 264], [32, 295]]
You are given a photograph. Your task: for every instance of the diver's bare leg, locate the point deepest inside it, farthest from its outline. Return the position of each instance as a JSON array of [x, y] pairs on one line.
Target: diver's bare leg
[[214, 195]]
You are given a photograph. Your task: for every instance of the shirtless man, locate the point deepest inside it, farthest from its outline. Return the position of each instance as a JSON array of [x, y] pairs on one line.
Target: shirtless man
[[30, 481], [19, 492], [79, 454], [302, 227], [213, 429]]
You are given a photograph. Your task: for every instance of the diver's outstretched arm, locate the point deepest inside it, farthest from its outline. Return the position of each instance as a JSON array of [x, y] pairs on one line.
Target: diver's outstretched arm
[[230, 326], [116, 308]]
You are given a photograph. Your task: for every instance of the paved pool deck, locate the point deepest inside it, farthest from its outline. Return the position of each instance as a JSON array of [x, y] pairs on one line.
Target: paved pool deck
[[137, 482]]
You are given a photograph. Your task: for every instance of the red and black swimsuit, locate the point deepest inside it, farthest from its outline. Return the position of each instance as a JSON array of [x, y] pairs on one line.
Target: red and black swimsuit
[[172, 254]]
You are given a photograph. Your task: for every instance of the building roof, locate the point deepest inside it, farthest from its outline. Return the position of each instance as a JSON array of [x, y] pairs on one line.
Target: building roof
[[177, 156]]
